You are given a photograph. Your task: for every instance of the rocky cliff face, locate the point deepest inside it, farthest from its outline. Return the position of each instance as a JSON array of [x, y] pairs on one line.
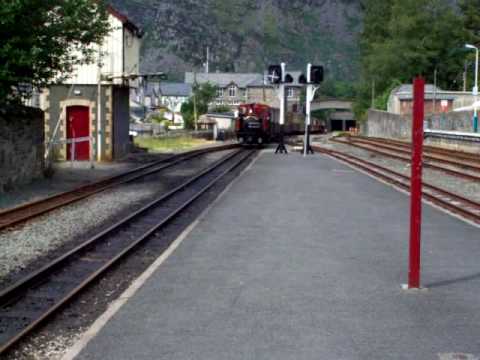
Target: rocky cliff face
[[246, 35]]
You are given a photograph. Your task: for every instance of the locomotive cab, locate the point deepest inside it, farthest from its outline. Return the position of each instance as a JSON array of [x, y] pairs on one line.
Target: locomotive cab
[[252, 126]]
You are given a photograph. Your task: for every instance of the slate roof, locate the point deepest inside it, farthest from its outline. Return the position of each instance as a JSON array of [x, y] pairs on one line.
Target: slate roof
[[242, 80], [176, 89], [151, 89]]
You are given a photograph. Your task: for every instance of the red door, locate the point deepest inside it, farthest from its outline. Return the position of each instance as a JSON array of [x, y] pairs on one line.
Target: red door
[[78, 124]]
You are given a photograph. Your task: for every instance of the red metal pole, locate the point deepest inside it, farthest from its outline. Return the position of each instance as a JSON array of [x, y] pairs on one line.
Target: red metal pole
[[416, 183]]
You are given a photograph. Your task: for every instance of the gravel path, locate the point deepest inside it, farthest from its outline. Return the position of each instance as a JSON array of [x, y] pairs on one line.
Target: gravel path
[[22, 245], [463, 187]]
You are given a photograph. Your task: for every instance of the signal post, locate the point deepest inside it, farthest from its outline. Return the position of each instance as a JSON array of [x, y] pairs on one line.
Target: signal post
[[278, 76], [283, 110], [314, 77]]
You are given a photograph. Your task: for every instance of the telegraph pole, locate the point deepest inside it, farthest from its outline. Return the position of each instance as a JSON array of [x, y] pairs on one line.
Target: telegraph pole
[[207, 65], [99, 106], [195, 102]]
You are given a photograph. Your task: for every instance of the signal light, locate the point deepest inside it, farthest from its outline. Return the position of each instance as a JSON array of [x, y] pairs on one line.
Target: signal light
[[288, 79], [316, 74], [302, 79], [275, 74]]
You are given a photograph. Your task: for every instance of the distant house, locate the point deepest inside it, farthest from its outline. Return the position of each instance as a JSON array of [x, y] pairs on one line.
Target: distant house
[[237, 88], [72, 108], [173, 96], [224, 121], [436, 100], [151, 95]]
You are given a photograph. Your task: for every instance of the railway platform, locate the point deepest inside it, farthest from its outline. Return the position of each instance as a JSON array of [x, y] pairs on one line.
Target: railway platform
[[302, 258]]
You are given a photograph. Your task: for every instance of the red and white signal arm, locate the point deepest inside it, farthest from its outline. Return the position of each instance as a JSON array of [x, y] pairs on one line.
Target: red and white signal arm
[[444, 105]]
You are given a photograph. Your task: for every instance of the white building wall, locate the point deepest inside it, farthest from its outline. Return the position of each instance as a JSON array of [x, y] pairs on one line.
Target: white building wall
[[112, 58], [176, 101], [132, 53]]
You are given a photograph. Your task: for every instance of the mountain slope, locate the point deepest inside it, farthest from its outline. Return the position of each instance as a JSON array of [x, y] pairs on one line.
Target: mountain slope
[[246, 35]]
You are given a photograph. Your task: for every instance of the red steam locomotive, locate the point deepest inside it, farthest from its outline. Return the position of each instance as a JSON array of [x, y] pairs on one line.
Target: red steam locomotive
[[253, 124]]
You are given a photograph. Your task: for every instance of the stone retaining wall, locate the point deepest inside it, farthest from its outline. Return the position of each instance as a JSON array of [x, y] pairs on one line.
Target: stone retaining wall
[[388, 125], [21, 146]]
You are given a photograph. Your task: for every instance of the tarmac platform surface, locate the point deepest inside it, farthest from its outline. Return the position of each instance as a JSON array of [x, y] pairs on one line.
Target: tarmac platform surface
[[304, 259]]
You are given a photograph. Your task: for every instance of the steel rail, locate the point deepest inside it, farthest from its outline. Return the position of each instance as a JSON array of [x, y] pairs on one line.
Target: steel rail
[[443, 198], [433, 149], [407, 159], [391, 147], [25, 212], [13, 296]]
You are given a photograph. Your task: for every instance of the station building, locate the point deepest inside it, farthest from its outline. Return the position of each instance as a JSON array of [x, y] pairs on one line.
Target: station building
[[75, 108]]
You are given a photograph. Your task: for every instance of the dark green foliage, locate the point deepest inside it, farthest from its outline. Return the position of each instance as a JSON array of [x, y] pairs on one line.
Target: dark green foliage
[[337, 89], [471, 19], [405, 38], [41, 38]]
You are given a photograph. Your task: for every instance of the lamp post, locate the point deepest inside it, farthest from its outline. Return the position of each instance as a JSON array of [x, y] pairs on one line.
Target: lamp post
[[475, 88]]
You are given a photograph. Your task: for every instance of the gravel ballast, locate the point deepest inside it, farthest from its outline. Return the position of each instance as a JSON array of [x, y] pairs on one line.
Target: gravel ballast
[[22, 245], [63, 330]]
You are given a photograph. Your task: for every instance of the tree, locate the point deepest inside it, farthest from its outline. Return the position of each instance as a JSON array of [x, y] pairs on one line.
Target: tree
[[203, 95], [412, 37], [471, 18], [42, 39], [471, 21]]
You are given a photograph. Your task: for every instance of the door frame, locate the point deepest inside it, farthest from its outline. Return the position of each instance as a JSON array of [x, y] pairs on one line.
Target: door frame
[[64, 121]]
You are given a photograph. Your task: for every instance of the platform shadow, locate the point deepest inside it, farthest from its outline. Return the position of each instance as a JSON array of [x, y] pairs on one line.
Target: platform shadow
[[453, 281]]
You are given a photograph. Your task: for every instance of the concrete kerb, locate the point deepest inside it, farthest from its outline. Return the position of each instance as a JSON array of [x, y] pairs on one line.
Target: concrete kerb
[[117, 304]]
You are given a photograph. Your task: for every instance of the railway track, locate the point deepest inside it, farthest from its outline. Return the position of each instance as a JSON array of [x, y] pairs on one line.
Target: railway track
[[32, 300], [393, 153], [17, 215], [455, 203], [457, 154], [445, 158]]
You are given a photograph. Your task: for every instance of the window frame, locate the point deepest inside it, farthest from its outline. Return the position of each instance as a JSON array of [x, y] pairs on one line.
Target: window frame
[[290, 92], [232, 91]]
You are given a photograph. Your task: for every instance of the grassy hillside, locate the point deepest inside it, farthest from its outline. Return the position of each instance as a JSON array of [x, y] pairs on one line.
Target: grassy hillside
[[246, 35]]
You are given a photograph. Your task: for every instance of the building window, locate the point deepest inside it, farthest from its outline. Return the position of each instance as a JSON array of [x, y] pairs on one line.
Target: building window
[[290, 92], [220, 92], [232, 91]]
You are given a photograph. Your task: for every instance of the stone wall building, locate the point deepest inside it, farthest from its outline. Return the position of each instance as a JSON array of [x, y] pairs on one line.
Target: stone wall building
[[21, 146], [437, 100], [72, 107], [237, 88]]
